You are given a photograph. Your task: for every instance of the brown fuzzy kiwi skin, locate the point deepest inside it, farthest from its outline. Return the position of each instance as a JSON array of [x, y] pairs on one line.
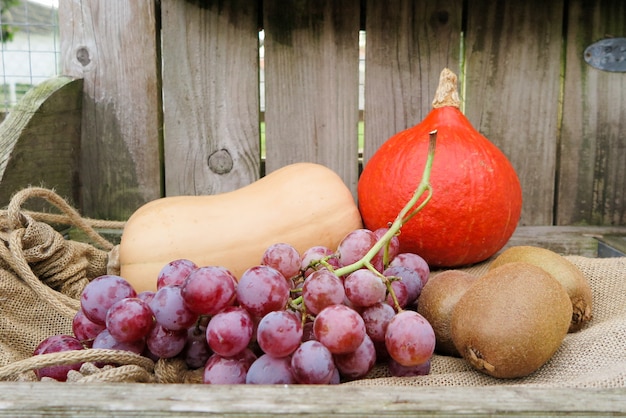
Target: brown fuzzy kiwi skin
[[511, 320], [560, 268], [436, 302]]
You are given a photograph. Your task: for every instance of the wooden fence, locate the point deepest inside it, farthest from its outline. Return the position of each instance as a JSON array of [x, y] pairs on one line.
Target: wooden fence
[[163, 98], [170, 99]]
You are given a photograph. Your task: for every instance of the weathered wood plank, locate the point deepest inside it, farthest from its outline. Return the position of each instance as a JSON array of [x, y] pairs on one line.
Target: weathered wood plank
[[513, 63], [408, 43], [210, 95], [565, 240], [311, 84], [40, 141], [164, 400], [592, 176], [112, 45]]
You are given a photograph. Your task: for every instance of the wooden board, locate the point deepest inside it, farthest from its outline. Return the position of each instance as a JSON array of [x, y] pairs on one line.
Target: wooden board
[[167, 400], [513, 64], [566, 240], [210, 96], [407, 45], [311, 84], [112, 45], [592, 175], [40, 141]]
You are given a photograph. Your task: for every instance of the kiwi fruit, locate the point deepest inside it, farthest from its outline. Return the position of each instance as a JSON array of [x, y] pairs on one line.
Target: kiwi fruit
[[560, 268], [511, 320], [439, 296]]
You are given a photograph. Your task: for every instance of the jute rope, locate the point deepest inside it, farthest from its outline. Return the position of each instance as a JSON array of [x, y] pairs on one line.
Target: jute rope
[[120, 366], [126, 373], [18, 218], [14, 255], [120, 357]]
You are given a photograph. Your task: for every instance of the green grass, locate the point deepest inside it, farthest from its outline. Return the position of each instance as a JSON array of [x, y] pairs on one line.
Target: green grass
[[262, 140]]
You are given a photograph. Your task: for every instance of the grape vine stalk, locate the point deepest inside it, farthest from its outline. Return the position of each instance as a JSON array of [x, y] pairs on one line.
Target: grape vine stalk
[[407, 212]]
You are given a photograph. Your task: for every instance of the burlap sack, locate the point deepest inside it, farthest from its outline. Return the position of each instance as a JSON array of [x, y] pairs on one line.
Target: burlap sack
[[42, 273]]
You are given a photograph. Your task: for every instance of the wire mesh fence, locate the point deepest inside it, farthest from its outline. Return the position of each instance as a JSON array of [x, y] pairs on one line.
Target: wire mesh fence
[[30, 50]]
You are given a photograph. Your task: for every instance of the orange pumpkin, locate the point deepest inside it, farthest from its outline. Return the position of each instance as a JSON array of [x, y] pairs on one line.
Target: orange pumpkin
[[476, 194]]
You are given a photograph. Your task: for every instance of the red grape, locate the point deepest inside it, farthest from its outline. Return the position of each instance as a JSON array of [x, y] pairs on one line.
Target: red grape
[[315, 254], [358, 363], [57, 344], [224, 371], [364, 288], [411, 279], [197, 350], [146, 296], [245, 357], [107, 341], [284, 258], [413, 262], [269, 370], [209, 289], [165, 343], [340, 328], [170, 310], [279, 333], [84, 329], [376, 319], [175, 272], [396, 369], [321, 289], [230, 331], [312, 363], [262, 289], [101, 293], [129, 319], [410, 339], [401, 293], [355, 245]]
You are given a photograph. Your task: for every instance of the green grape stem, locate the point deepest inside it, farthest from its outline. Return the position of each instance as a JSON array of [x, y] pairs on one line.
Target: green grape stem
[[403, 217]]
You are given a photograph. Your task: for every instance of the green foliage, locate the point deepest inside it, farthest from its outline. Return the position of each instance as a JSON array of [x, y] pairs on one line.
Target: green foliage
[[7, 30]]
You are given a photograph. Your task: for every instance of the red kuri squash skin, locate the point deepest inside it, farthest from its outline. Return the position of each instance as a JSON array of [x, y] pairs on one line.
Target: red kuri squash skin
[[476, 194]]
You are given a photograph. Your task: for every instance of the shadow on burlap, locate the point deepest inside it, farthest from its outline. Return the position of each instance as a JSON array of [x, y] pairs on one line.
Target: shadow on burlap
[[42, 275]]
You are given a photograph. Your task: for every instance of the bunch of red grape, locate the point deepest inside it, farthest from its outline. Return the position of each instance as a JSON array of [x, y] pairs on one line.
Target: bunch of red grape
[[320, 317]]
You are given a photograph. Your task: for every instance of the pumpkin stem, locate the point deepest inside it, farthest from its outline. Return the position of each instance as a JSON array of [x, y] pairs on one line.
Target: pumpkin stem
[[447, 93]]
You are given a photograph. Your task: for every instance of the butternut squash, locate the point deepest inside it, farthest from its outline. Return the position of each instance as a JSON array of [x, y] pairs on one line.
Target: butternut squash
[[303, 204]]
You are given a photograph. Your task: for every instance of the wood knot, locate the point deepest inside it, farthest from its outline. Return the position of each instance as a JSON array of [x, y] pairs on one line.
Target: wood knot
[[82, 56], [220, 162]]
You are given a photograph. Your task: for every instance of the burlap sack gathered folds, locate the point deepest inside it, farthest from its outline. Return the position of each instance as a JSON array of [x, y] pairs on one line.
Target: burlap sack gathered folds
[[42, 275]]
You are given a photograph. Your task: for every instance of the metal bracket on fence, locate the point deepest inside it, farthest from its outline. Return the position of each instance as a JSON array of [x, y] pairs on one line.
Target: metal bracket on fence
[[607, 54]]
